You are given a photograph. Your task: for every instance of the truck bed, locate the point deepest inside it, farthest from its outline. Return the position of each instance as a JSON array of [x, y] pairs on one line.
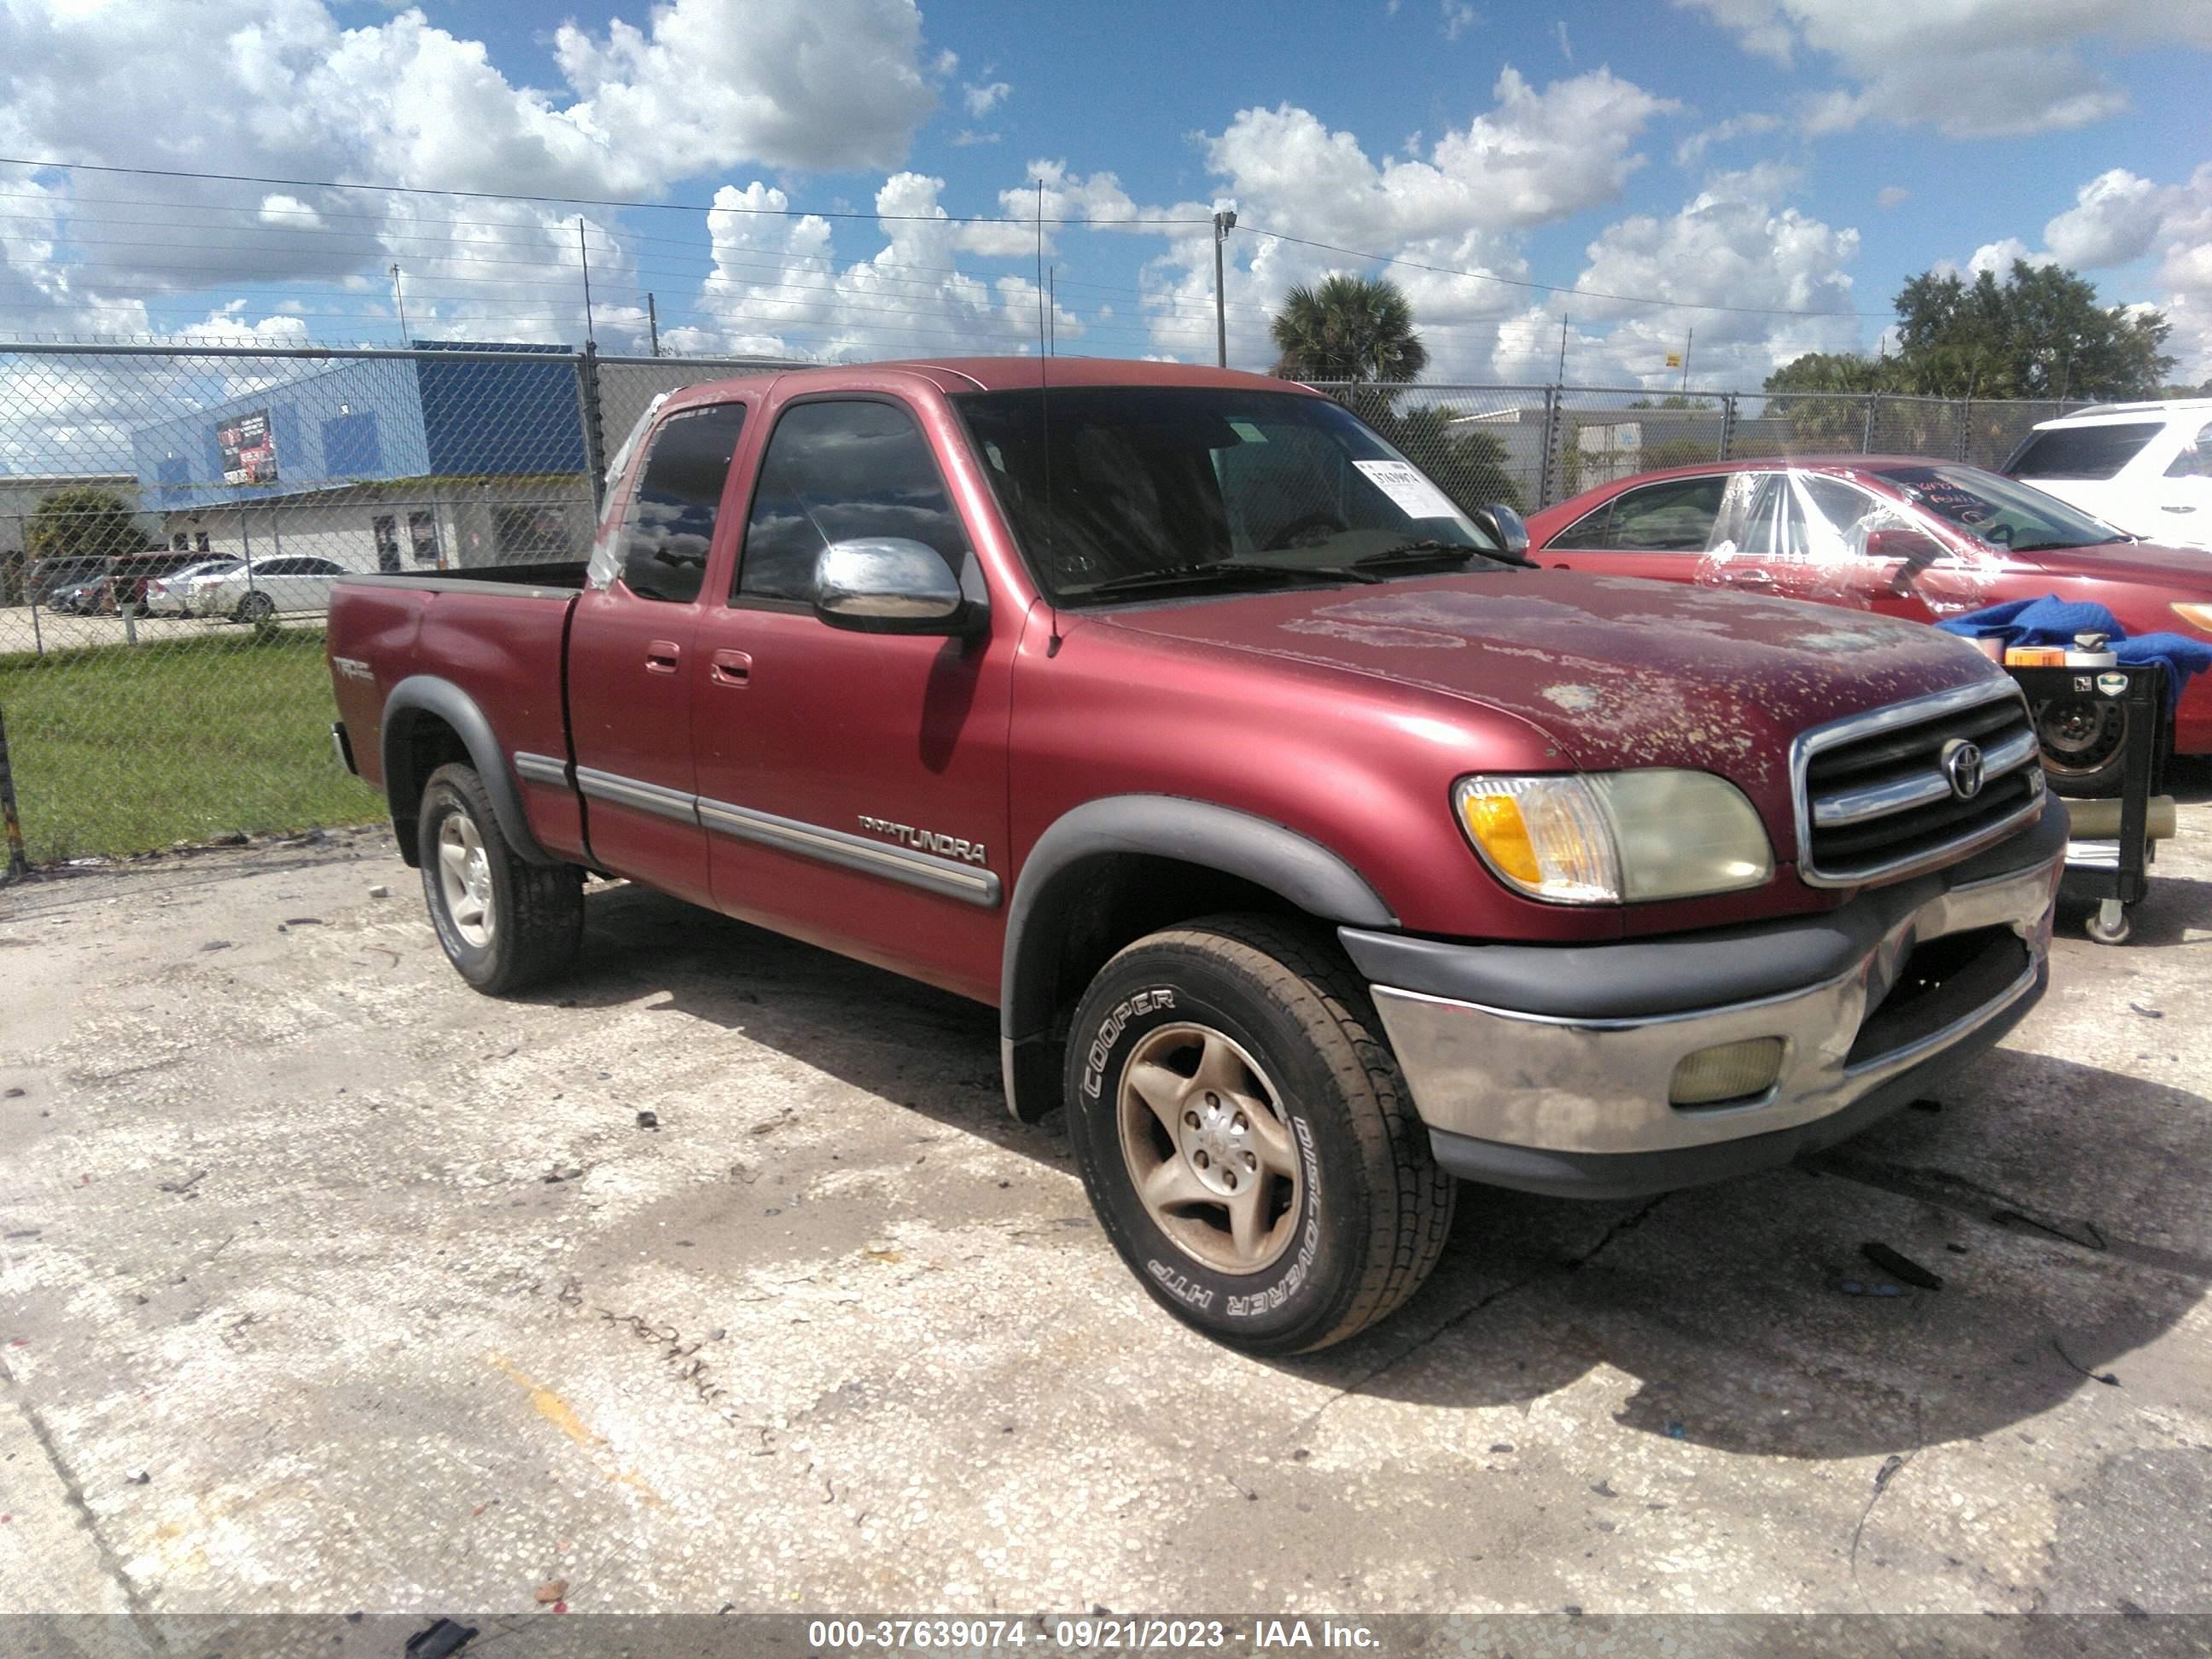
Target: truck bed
[[561, 578], [494, 635]]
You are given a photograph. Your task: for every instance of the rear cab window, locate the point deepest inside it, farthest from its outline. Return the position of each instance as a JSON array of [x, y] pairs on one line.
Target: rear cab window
[[2082, 452], [668, 526]]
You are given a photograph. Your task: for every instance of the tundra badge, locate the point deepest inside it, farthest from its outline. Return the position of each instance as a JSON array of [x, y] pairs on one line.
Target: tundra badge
[[927, 840]]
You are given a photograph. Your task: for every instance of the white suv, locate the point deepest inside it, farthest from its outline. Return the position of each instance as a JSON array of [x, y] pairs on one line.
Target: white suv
[[2145, 467]]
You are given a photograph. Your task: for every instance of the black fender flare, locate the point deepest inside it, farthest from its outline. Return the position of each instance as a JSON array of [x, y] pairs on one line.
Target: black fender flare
[[426, 694], [1295, 868]]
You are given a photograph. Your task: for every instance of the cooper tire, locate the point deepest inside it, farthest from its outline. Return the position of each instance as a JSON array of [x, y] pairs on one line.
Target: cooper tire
[[504, 923], [1356, 1210]]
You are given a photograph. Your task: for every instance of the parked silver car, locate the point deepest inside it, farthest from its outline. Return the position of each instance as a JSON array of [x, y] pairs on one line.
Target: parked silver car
[[255, 591], [171, 595]]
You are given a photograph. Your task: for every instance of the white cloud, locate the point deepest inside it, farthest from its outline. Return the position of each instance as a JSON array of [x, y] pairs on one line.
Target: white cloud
[[1730, 246], [291, 212], [982, 99], [1998, 257], [1566, 47], [1969, 67], [968, 135], [281, 85], [1892, 196], [1460, 17], [2114, 219], [2119, 218], [777, 286], [1691, 150], [1534, 156]]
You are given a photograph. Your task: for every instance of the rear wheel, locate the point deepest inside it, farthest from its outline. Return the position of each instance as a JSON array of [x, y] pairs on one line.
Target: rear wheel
[[1246, 1139], [256, 607], [505, 923]]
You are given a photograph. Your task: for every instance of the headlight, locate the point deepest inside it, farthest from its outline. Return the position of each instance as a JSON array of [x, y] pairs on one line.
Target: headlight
[[2197, 616], [1615, 836]]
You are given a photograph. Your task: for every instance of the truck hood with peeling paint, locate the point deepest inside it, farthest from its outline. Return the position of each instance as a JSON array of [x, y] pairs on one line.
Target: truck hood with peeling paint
[[1617, 671]]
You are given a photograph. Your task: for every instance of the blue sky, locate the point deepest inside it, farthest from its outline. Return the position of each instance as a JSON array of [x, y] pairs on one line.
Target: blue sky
[[1794, 160]]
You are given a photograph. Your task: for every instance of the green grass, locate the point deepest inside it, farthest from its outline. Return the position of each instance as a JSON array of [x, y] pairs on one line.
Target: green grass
[[123, 749]]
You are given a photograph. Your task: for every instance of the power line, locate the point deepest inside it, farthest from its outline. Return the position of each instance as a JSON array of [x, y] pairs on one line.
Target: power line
[[575, 201], [1554, 287]]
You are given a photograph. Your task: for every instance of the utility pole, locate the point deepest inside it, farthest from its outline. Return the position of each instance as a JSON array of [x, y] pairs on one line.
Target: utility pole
[[1689, 335], [1562, 348], [652, 322], [1052, 312], [1223, 224], [585, 254], [399, 299]]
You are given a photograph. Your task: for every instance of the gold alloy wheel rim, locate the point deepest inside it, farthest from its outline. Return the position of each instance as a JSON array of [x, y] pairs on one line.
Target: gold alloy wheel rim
[[1207, 1148], [465, 879]]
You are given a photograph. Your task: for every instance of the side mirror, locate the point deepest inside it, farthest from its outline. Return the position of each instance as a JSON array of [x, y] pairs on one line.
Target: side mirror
[[1506, 522], [890, 584], [1507, 527], [1915, 547]]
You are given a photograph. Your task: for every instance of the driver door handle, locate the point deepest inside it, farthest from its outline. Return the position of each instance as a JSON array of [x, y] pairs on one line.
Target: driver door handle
[[661, 656], [730, 668], [1753, 578]]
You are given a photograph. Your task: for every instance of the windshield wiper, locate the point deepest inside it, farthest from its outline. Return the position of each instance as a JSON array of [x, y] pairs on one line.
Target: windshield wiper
[[1215, 572], [1432, 550]]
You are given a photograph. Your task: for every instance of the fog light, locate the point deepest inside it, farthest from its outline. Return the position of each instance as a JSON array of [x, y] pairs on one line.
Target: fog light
[[1730, 1071]]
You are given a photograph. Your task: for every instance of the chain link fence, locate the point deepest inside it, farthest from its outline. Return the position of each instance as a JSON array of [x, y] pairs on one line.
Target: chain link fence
[[1533, 446], [173, 519], [172, 523]]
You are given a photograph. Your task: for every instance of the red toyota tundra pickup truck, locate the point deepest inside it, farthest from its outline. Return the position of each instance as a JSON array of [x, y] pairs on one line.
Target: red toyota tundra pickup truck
[[1315, 849]]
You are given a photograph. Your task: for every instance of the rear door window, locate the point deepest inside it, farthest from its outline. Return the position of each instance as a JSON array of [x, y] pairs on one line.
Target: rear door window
[[1675, 516], [668, 528], [2194, 460], [2082, 452]]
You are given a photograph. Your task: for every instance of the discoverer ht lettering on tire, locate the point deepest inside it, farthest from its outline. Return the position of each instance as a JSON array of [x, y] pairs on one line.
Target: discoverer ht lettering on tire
[[1245, 1138]]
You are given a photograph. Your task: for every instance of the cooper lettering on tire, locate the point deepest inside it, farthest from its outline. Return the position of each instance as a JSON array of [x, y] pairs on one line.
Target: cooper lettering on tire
[[1245, 1136]]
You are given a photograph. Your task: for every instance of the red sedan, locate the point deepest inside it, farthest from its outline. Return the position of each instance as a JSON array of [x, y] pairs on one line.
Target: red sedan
[[1908, 535]]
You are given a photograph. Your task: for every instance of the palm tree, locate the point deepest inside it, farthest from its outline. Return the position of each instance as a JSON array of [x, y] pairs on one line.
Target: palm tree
[[1350, 328]]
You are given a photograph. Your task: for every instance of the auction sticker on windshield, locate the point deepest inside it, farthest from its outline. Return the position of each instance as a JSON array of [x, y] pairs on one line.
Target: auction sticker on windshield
[[1415, 495]]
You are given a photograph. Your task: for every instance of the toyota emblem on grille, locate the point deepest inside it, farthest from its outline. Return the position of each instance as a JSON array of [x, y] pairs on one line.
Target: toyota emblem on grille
[[1962, 765]]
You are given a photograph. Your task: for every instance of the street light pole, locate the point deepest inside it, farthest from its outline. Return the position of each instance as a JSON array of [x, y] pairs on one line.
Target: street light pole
[[1223, 224], [399, 299]]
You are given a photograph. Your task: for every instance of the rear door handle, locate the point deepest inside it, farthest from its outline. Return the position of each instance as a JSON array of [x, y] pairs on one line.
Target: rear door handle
[[1755, 578], [730, 668], [661, 656]]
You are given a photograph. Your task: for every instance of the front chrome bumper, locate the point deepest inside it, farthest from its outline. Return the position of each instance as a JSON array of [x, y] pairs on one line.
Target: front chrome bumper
[[1598, 1088]]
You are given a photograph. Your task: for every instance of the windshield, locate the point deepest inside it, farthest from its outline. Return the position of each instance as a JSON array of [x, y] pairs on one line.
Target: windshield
[[1996, 511], [1147, 481]]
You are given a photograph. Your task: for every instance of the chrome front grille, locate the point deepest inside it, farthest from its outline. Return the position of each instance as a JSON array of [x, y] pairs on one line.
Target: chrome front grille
[[1876, 801]]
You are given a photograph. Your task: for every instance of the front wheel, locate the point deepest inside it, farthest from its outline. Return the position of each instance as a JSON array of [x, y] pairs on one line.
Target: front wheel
[[256, 607], [505, 923], [1246, 1138]]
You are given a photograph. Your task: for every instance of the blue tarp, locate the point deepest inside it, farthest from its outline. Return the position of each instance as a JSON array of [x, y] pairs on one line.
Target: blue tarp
[[2053, 621]]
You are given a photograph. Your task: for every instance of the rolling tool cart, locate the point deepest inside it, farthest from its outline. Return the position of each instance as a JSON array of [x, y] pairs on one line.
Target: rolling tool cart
[[2110, 847]]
